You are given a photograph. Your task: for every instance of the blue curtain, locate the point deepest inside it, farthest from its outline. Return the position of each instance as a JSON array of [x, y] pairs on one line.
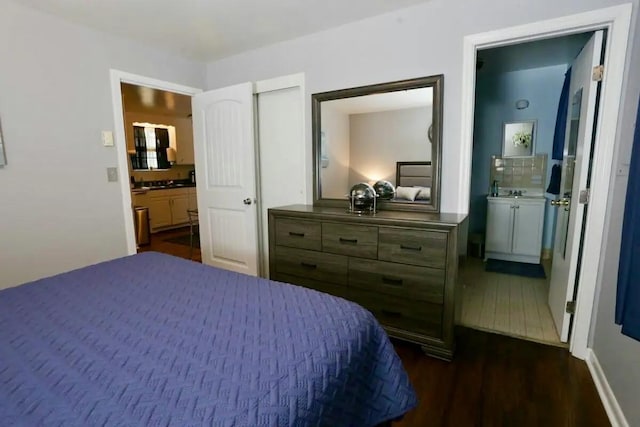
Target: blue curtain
[[561, 119], [628, 297]]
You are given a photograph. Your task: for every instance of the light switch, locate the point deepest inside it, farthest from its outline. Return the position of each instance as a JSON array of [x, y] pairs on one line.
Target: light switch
[[107, 138], [112, 174]]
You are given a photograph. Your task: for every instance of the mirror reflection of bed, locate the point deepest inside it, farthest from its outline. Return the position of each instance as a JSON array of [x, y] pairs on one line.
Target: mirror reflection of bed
[[413, 182], [377, 137]]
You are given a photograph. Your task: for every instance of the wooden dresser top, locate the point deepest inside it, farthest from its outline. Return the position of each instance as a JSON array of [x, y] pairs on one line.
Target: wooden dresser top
[[416, 219]]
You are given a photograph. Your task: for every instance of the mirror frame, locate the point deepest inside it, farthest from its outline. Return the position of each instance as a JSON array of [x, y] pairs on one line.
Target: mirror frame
[[436, 82]]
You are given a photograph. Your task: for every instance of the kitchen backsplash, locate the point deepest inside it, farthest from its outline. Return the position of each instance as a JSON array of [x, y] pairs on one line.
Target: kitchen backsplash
[[176, 172], [519, 172]]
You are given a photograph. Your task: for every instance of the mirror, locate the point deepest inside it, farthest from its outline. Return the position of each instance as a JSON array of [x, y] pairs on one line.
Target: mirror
[[384, 132], [518, 139]]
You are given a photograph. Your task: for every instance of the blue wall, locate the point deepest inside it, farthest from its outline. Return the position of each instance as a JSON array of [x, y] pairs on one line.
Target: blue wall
[[496, 94]]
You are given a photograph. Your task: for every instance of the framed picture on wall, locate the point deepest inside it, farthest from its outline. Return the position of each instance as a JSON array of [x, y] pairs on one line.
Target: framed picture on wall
[[519, 138]]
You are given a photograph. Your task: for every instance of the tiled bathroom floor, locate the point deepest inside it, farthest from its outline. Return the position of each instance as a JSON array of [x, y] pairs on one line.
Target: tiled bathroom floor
[[506, 304]]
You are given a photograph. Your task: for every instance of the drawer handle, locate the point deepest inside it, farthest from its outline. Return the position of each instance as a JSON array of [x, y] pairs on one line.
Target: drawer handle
[[391, 313], [291, 233], [390, 281], [351, 241], [309, 266], [411, 248]]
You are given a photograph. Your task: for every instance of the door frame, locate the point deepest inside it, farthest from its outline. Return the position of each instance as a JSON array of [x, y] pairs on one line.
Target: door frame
[[117, 77], [616, 20]]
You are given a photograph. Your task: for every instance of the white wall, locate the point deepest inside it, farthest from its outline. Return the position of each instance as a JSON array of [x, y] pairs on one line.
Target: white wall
[[57, 210], [335, 177], [417, 41], [426, 40], [379, 140]]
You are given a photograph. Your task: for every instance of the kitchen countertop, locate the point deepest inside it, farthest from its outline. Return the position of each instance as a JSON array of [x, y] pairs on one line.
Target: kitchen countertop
[[145, 188]]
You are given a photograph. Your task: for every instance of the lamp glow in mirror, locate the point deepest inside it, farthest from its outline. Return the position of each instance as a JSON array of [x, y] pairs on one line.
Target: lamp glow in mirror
[[385, 132]]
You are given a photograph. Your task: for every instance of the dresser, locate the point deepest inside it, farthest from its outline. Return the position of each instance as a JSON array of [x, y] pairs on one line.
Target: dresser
[[401, 266]]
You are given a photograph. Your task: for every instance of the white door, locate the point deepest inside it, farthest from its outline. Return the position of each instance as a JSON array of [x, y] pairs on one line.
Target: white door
[[226, 178], [282, 155], [575, 171]]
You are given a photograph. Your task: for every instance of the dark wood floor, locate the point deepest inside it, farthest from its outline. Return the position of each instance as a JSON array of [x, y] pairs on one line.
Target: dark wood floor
[[158, 243], [496, 380], [493, 380]]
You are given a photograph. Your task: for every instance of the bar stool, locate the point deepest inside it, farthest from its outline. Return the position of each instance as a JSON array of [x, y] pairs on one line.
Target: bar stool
[[193, 224]]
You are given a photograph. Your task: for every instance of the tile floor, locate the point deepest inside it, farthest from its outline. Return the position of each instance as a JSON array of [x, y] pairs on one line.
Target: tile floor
[[507, 304]]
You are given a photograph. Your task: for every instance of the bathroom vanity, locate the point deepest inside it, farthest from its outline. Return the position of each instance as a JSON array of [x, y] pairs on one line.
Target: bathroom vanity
[[514, 228]]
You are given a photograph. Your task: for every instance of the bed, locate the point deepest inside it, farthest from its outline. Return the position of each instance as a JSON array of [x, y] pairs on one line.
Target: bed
[[413, 181], [152, 339]]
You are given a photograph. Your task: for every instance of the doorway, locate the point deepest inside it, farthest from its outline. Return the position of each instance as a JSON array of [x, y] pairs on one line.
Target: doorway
[[279, 130], [616, 20], [517, 86]]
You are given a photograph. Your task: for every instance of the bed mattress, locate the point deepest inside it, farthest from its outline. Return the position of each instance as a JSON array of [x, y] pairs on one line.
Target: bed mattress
[[152, 339]]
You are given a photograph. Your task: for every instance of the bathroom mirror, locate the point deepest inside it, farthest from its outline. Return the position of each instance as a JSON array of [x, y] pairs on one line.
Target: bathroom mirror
[[383, 132], [518, 139]]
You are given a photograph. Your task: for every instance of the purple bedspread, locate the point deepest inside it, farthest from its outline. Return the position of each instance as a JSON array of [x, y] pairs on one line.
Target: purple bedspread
[[156, 340]]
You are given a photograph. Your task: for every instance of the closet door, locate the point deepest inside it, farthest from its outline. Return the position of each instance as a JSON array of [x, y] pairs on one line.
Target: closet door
[[281, 149], [226, 177]]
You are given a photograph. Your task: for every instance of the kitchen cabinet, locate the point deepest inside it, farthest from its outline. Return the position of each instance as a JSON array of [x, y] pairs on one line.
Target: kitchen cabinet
[[514, 228], [168, 208], [184, 142], [193, 198]]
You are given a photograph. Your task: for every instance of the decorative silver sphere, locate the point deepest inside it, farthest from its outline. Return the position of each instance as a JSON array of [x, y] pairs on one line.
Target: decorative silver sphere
[[384, 189], [362, 197]]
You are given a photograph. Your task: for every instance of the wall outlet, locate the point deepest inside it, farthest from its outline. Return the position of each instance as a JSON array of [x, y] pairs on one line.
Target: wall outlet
[[112, 174]]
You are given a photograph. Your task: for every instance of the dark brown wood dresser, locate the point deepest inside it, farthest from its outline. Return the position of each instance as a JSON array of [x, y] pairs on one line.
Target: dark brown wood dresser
[[401, 266]]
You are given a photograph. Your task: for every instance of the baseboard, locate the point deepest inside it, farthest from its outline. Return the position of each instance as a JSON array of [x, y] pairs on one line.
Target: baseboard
[[616, 416]]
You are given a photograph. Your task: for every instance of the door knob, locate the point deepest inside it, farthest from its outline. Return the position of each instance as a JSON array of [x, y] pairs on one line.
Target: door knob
[[247, 201], [560, 202]]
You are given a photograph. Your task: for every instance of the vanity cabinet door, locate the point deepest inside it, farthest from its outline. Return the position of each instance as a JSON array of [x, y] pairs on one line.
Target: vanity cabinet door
[[499, 226], [527, 228]]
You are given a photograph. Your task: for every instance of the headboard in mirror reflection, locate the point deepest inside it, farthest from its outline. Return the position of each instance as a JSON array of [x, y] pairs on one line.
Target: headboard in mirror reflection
[[363, 134]]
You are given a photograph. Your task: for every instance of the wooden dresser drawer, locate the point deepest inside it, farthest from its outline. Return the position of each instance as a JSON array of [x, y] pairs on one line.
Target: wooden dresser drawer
[[404, 281], [409, 246], [401, 313], [297, 233], [348, 239], [312, 265]]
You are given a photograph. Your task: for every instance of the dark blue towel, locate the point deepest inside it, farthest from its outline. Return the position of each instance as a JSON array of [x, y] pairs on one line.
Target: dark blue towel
[[561, 119], [554, 181], [628, 298]]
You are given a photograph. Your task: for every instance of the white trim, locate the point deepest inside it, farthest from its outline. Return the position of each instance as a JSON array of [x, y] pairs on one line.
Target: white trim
[[617, 21], [609, 401], [116, 78]]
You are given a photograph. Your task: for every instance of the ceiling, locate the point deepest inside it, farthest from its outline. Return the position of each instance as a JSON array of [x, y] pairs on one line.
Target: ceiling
[[140, 99], [211, 29], [537, 54]]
